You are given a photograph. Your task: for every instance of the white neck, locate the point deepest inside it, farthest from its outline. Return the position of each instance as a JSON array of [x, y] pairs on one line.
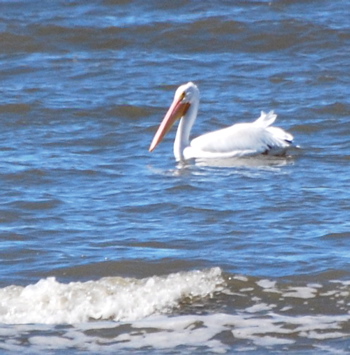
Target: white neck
[[182, 139]]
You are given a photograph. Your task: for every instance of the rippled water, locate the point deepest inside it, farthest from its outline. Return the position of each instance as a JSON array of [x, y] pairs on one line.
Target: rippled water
[[109, 248]]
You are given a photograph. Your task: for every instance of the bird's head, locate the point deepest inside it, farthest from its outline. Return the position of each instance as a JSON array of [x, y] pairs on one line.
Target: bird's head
[[184, 97]]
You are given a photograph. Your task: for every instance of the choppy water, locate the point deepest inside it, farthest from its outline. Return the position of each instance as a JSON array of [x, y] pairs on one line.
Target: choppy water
[[108, 248]]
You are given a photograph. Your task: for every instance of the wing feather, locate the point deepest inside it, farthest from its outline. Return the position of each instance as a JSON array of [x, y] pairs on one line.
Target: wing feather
[[241, 139], [266, 119]]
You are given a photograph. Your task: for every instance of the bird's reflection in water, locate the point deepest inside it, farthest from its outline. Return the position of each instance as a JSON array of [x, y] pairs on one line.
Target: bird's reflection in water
[[248, 162], [226, 165]]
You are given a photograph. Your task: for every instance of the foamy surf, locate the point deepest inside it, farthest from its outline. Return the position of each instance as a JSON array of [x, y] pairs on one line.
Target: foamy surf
[[110, 298], [198, 311], [210, 333]]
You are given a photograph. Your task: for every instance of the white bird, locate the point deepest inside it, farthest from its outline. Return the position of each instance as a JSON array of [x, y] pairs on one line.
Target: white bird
[[239, 140]]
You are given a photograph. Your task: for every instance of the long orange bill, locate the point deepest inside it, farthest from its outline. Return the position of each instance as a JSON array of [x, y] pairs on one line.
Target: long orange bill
[[175, 112]]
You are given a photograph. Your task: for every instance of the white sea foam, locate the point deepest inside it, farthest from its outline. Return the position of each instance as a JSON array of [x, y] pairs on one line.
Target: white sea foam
[[266, 284], [133, 315], [301, 292], [110, 298], [190, 331], [260, 307]]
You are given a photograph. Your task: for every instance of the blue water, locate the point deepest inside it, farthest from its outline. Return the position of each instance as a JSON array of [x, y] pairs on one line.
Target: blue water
[[84, 87]]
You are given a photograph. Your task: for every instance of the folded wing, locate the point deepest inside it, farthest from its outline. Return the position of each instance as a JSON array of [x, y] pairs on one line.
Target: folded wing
[[242, 139]]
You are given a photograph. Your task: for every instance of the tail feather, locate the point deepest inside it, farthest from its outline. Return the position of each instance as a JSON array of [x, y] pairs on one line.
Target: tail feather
[[281, 134]]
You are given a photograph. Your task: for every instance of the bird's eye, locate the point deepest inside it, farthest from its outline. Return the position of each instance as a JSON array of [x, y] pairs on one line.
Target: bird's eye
[[183, 95]]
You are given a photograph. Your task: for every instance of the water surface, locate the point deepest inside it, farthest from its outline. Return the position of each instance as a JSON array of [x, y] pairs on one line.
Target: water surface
[[109, 248]]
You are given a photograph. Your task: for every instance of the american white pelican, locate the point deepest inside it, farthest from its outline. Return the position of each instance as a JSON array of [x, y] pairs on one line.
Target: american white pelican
[[241, 139]]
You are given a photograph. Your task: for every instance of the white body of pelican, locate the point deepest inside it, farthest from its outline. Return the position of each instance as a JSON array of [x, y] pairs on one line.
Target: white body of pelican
[[239, 140]]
